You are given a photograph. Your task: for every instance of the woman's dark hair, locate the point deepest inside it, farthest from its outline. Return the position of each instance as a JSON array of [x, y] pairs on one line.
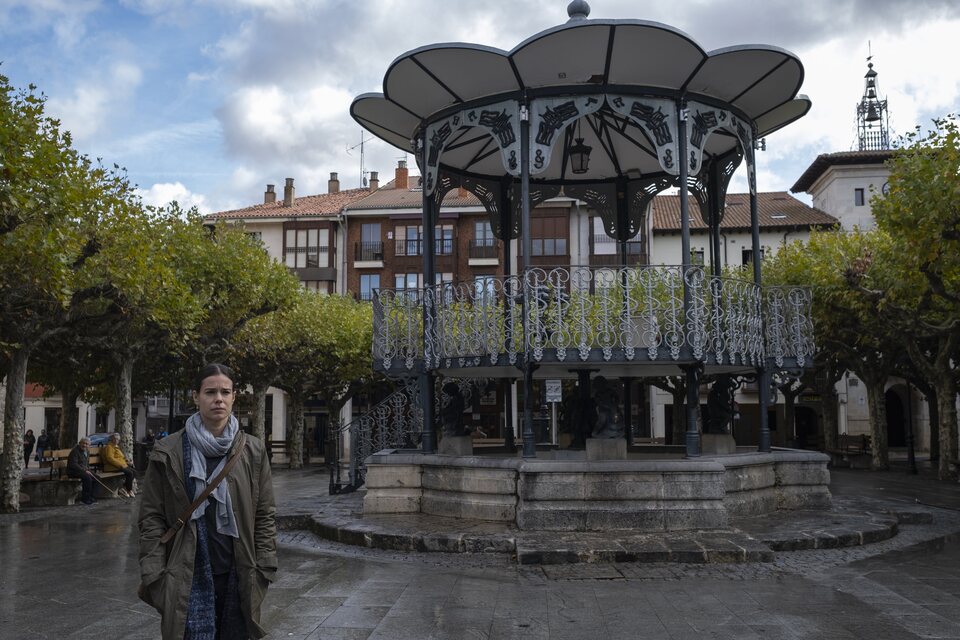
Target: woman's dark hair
[[212, 369]]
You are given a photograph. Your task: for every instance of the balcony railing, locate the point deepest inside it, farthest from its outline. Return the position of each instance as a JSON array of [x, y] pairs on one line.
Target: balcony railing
[[605, 251], [369, 251], [583, 314], [442, 247], [484, 248]]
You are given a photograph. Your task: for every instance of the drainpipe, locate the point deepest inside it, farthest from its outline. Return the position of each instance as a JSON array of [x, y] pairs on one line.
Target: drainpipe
[[342, 221]]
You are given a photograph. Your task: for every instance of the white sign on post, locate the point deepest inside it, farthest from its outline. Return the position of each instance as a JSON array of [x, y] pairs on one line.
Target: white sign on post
[[554, 391]]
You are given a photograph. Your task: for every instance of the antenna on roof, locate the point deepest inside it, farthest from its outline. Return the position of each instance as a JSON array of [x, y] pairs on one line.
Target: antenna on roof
[[361, 144]]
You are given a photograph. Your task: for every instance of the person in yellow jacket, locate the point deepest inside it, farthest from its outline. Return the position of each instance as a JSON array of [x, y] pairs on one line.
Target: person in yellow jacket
[[114, 460]]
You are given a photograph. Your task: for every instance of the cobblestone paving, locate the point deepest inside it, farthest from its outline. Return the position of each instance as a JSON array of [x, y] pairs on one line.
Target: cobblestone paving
[[72, 573]]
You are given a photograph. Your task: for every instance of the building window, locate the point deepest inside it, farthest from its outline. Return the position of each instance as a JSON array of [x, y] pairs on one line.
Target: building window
[[410, 239], [316, 286], [483, 245], [255, 235], [371, 246], [747, 256], [858, 197], [483, 232], [406, 281], [549, 236], [697, 257], [306, 248], [369, 283]]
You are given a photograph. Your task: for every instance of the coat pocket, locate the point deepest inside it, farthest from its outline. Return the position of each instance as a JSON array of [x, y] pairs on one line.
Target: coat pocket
[[151, 590]]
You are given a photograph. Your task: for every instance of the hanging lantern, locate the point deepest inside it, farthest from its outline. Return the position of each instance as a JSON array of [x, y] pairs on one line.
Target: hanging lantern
[[579, 157]]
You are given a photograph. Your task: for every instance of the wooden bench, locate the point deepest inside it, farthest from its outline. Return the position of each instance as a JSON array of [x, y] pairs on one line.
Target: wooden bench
[[56, 460], [854, 451]]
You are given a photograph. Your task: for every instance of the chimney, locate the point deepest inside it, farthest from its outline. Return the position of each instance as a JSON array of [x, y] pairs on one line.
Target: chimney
[[333, 184], [269, 196], [462, 193], [374, 181], [402, 176], [288, 193]]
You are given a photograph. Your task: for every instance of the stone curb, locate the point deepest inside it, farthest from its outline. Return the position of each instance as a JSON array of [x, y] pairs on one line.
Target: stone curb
[[748, 542]]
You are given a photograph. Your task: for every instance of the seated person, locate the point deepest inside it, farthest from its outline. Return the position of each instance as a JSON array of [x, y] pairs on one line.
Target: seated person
[[114, 460], [78, 466]]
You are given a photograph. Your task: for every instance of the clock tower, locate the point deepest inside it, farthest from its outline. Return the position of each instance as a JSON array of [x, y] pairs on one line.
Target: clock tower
[[842, 183]]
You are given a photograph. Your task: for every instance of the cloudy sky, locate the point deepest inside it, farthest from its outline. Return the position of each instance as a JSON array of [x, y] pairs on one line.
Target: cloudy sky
[[207, 101]]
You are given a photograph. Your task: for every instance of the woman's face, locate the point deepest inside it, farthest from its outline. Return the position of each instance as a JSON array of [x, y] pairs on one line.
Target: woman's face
[[215, 400]]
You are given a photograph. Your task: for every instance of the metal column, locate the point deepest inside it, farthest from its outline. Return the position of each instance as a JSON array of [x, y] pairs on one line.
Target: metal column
[[763, 376], [427, 391], [529, 439], [692, 371], [506, 228]]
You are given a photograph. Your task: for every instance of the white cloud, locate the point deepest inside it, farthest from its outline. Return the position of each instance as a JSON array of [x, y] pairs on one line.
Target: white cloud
[[291, 125], [94, 102], [162, 194], [66, 19]]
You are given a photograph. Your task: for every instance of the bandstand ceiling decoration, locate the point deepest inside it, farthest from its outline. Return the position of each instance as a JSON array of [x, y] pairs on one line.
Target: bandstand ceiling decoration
[[621, 79]]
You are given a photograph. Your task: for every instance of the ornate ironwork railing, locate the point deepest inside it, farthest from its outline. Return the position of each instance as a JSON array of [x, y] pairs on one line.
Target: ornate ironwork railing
[[394, 423], [593, 314], [789, 325]]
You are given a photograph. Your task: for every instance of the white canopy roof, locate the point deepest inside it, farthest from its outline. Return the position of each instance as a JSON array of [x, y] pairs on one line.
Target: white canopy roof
[[603, 58]]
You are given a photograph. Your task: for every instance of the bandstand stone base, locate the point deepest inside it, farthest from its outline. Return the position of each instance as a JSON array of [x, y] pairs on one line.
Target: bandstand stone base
[[576, 495], [456, 446], [717, 443], [606, 449]]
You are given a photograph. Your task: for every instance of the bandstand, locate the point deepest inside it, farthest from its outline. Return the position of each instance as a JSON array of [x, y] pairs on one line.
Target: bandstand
[[609, 113]]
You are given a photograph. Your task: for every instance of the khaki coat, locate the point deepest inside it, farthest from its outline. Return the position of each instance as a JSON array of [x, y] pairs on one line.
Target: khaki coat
[[166, 570]]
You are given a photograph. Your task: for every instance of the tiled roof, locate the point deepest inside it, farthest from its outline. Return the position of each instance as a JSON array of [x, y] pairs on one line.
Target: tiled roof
[[770, 207], [389, 197], [325, 204], [827, 160]]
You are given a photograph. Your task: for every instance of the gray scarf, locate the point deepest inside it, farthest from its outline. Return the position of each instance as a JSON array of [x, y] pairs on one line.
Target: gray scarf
[[204, 445]]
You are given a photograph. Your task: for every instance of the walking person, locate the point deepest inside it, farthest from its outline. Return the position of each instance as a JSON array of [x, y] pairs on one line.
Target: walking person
[[28, 441], [114, 460], [205, 565], [43, 443], [78, 466]]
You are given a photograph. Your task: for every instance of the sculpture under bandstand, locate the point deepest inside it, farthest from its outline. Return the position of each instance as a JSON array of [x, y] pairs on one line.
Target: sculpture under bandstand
[[611, 113]]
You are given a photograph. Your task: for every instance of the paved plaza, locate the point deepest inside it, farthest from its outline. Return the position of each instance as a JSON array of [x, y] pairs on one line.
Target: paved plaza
[[71, 572]]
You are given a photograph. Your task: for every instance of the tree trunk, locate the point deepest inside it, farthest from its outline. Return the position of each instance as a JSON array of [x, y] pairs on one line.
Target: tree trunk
[[947, 410], [295, 437], [69, 418], [258, 412], [933, 416], [828, 407], [679, 417], [11, 463], [878, 423], [124, 391], [790, 411]]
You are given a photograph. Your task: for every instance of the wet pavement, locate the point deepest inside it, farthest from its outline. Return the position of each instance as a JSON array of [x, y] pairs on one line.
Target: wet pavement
[[71, 572]]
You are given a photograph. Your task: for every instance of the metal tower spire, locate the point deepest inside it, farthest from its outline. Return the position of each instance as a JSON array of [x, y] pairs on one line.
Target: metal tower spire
[[873, 122]]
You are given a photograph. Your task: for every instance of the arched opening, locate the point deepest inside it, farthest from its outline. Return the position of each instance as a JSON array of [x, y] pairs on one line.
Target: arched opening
[[896, 419]]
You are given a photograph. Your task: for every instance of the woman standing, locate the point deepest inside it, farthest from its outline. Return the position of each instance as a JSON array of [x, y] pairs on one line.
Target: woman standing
[[28, 441], [206, 570]]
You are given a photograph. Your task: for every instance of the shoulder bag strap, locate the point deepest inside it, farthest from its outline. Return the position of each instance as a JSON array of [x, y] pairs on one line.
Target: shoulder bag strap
[[185, 516]]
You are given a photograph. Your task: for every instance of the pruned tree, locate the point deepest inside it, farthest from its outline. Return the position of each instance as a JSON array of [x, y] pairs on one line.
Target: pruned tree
[[325, 349]]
